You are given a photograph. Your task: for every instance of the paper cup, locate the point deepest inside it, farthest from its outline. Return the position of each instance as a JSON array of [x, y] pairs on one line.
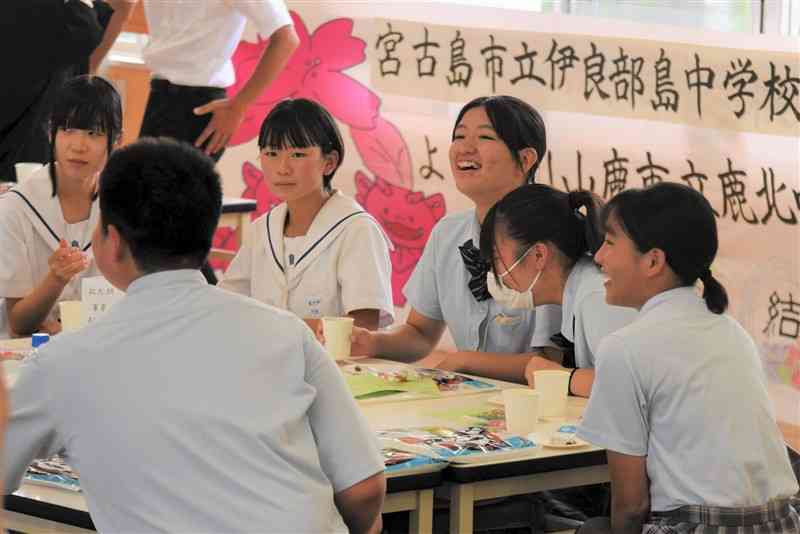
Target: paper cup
[[522, 410], [337, 332], [26, 169], [71, 315], [552, 387]]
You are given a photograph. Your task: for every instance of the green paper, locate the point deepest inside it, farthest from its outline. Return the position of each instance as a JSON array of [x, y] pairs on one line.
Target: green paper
[[364, 386]]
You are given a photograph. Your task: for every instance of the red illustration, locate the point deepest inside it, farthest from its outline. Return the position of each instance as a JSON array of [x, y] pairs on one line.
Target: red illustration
[[315, 72], [407, 217], [384, 152], [257, 189], [224, 239]]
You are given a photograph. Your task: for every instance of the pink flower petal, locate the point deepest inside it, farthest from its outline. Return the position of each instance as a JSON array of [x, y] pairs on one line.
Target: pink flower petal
[[385, 153], [346, 99], [333, 44]]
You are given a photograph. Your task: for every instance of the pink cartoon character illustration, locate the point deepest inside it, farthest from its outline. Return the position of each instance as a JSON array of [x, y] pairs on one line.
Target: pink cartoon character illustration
[[256, 188], [407, 217]]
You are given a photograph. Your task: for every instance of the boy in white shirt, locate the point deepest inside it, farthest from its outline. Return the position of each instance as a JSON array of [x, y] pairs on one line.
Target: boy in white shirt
[[220, 413]]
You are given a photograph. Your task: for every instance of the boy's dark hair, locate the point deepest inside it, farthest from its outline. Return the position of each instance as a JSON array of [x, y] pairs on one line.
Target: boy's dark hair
[[680, 221], [302, 123], [164, 197], [517, 124], [85, 103]]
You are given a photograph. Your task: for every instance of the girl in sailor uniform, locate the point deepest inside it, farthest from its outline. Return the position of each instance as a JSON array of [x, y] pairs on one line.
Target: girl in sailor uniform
[[46, 222], [318, 253]]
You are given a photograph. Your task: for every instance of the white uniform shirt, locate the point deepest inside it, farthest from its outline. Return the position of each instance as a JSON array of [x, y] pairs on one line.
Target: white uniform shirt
[[187, 408], [685, 387], [439, 289], [344, 266], [191, 43], [585, 317], [30, 229]]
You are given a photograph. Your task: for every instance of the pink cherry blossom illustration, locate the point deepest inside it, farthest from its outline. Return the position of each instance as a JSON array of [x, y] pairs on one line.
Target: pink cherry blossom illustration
[[315, 72]]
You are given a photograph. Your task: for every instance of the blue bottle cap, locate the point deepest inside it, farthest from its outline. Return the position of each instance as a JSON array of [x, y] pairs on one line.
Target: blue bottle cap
[[39, 339]]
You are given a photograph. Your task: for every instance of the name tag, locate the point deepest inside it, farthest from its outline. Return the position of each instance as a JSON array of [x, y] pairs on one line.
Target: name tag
[[313, 304], [507, 320]]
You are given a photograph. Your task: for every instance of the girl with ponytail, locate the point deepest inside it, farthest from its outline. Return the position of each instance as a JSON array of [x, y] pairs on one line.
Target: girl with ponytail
[[539, 242], [680, 400]]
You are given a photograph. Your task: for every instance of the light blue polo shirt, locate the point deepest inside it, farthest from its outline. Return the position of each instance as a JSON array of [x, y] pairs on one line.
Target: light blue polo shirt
[[586, 318], [438, 289]]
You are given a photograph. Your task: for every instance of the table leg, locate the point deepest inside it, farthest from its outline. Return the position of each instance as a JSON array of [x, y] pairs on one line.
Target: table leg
[[421, 519], [462, 503]]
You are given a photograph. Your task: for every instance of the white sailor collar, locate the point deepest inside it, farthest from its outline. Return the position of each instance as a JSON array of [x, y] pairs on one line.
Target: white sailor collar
[[38, 204], [328, 225]]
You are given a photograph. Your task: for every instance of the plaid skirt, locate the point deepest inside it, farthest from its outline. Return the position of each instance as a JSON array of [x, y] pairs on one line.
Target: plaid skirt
[[776, 517]]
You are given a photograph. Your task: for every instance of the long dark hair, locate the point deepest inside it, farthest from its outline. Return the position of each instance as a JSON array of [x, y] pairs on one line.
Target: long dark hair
[[517, 124], [302, 123], [680, 221], [539, 213], [85, 103]]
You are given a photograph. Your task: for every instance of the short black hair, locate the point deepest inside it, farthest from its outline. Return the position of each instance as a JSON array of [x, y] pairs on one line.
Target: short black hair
[[679, 221], [85, 103], [517, 124], [164, 197], [302, 123], [535, 213]]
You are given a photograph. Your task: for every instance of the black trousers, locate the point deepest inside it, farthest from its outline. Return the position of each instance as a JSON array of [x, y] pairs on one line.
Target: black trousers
[[170, 113]]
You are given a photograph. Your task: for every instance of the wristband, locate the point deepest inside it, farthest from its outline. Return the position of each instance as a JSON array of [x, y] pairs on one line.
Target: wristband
[[569, 382]]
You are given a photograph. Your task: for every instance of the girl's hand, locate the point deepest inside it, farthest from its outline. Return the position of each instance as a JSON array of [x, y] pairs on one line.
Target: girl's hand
[[363, 343], [66, 262]]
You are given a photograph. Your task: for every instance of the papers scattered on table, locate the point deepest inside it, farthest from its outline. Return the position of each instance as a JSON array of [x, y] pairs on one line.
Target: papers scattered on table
[[373, 380], [473, 444], [53, 472]]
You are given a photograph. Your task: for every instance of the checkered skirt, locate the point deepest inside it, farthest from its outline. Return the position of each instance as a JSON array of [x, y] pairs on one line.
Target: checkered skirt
[[779, 516]]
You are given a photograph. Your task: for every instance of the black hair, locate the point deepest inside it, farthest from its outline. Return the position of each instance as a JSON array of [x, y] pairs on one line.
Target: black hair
[[679, 221], [535, 213], [517, 124], [302, 123], [85, 103], [164, 197]]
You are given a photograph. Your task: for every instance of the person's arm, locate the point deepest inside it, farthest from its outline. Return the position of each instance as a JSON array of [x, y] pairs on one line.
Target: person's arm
[[630, 492], [122, 12], [26, 314], [407, 342], [360, 505], [229, 113], [32, 420], [348, 451], [582, 379]]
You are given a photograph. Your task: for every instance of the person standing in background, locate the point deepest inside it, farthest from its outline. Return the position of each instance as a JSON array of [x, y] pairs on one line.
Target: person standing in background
[[55, 39], [189, 56]]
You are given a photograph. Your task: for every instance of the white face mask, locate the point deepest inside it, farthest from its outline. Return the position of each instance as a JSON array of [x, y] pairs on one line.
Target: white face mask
[[508, 297]]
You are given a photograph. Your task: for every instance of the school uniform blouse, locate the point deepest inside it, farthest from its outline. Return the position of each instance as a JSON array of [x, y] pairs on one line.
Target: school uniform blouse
[[344, 266], [31, 225], [439, 289], [585, 317], [685, 388]]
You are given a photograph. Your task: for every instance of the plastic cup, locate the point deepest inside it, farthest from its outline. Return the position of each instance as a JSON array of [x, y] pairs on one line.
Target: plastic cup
[[337, 332], [26, 169], [522, 410], [71, 315], [552, 387]]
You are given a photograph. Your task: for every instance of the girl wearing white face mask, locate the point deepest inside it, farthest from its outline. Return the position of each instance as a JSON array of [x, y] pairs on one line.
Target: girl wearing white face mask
[[540, 247]]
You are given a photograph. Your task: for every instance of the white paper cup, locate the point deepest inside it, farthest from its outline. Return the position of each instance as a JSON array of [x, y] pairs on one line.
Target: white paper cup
[[71, 315], [522, 410], [26, 169], [552, 387], [337, 332]]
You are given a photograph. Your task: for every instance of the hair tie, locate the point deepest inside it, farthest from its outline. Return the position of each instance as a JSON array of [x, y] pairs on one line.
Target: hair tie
[[706, 275]]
